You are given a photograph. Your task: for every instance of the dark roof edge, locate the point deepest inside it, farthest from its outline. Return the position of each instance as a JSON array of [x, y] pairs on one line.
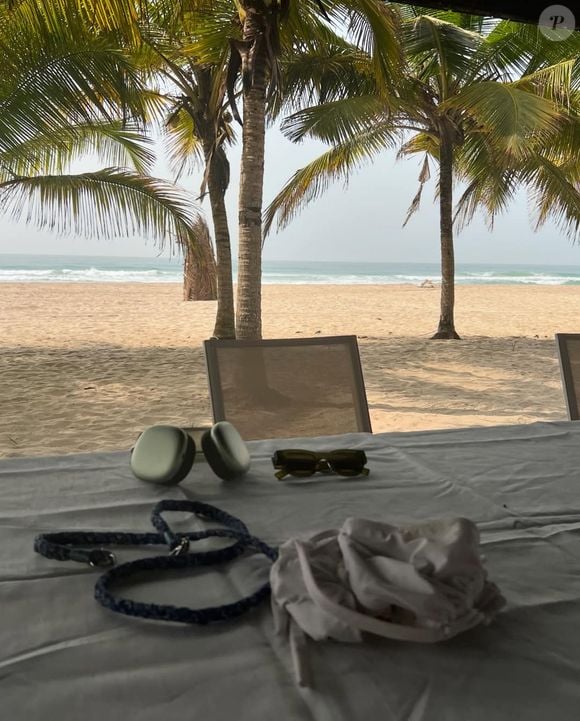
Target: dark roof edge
[[506, 9]]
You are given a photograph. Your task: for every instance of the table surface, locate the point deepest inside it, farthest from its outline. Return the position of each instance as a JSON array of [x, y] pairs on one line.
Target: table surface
[[64, 657]]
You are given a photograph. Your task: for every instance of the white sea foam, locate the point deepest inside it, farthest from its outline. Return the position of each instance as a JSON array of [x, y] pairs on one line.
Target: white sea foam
[[398, 279], [89, 275]]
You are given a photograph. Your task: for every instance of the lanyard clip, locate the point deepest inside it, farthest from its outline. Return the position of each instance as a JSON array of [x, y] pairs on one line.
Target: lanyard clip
[[181, 547], [100, 558]]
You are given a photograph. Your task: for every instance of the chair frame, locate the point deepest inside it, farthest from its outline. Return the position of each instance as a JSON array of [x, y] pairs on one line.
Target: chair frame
[[566, 373], [215, 386]]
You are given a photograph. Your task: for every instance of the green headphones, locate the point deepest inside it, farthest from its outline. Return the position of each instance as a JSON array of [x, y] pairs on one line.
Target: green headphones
[[165, 454]]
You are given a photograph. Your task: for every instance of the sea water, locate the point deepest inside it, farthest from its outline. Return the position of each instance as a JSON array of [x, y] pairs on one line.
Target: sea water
[[103, 269]]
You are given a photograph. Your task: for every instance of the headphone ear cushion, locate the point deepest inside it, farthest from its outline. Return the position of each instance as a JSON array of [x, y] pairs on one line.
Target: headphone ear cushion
[[188, 459], [225, 451], [163, 454]]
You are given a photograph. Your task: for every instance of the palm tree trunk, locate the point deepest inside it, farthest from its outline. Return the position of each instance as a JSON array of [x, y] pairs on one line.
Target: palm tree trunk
[[446, 328], [225, 320], [249, 292], [217, 168]]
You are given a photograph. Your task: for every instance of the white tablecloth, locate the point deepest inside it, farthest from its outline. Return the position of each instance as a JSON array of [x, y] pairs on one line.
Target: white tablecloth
[[63, 657]]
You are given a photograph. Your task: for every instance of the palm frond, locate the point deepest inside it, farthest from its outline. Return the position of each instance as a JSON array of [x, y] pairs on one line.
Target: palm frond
[[555, 83], [305, 21], [517, 49], [313, 180], [112, 202], [491, 194], [420, 143], [67, 53], [563, 148], [215, 24], [113, 16], [53, 153], [337, 121], [480, 24], [555, 192], [316, 73], [491, 177], [184, 146], [509, 115], [375, 28], [440, 51], [424, 177], [88, 86]]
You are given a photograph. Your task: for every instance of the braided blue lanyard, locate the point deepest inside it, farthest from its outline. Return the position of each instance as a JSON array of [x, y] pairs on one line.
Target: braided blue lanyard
[[64, 547]]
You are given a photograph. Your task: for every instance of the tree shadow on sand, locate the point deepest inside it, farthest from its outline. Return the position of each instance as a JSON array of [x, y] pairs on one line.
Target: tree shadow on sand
[[60, 400], [502, 377]]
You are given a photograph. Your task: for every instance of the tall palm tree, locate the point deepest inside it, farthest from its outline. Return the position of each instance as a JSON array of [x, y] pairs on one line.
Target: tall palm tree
[[199, 128], [260, 33], [67, 90], [492, 104]]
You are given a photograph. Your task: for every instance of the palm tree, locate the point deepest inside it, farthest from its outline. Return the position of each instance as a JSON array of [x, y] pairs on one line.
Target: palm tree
[[492, 104], [67, 90], [199, 128], [260, 32]]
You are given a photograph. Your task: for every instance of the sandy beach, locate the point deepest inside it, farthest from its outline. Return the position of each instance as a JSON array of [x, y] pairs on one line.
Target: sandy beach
[[86, 367]]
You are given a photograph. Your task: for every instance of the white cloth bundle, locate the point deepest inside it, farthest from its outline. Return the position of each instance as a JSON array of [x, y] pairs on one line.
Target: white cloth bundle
[[420, 583]]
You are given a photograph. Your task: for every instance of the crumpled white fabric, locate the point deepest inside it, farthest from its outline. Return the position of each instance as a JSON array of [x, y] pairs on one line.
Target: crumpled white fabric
[[422, 583]]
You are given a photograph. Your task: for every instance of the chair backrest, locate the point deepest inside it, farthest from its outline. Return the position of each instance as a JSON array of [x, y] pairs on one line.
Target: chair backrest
[[286, 388], [569, 353]]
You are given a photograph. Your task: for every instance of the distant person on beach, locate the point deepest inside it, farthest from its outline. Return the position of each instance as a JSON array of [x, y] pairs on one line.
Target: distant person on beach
[[427, 283]]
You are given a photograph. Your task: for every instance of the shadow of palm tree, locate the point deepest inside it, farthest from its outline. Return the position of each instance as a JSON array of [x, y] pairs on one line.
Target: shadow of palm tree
[[503, 377], [57, 400]]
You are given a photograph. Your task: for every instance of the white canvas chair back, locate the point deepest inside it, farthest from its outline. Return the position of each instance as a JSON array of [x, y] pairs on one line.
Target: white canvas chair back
[[286, 388]]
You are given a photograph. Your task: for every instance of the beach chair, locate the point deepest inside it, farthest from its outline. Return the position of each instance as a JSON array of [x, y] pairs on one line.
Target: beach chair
[[287, 388], [569, 354]]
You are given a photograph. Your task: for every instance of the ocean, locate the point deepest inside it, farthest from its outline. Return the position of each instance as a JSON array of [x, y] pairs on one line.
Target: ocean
[[103, 269]]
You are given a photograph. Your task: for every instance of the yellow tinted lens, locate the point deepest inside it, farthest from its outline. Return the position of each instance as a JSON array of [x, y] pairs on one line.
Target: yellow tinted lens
[[347, 462], [296, 462]]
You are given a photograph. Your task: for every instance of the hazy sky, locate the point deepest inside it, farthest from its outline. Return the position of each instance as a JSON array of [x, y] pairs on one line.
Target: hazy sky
[[360, 223]]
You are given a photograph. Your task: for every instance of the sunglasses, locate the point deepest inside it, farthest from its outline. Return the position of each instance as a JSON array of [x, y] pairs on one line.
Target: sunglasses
[[301, 464]]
